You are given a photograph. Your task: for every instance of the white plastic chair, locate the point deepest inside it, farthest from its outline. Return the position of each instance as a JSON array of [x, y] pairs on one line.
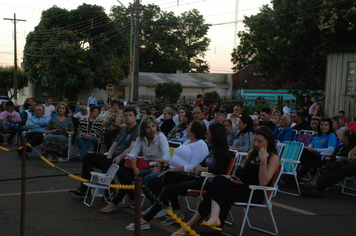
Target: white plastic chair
[[269, 194], [344, 187], [104, 180], [69, 147]]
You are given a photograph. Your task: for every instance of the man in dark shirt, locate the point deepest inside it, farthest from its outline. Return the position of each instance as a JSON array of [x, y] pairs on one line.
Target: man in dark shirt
[[297, 117], [116, 154], [266, 115], [304, 107]]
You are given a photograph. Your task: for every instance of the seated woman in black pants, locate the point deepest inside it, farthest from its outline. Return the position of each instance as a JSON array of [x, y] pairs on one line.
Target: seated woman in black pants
[[259, 168], [177, 183]]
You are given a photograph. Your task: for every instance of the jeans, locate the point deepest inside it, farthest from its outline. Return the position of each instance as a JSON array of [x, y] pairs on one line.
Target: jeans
[[147, 175], [13, 129], [85, 144]]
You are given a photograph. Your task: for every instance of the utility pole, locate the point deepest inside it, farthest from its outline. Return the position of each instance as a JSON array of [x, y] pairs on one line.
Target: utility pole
[[135, 84], [14, 20], [131, 52], [236, 22]]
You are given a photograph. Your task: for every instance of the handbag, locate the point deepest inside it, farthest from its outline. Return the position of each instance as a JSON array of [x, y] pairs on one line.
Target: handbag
[[60, 132], [141, 164]]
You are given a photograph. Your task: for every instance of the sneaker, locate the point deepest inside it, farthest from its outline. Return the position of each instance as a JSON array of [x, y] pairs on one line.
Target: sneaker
[[162, 213], [170, 221], [131, 227], [79, 193]]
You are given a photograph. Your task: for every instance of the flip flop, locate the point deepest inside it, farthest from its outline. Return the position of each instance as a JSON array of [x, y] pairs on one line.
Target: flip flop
[[210, 227]]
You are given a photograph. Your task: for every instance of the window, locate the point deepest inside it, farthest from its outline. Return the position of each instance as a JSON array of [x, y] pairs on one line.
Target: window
[[350, 83]]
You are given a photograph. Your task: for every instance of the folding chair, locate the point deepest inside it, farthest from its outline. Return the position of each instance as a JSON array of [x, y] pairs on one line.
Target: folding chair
[[104, 180], [290, 156], [305, 136], [173, 145], [199, 193], [269, 194], [295, 133], [344, 187], [69, 147]]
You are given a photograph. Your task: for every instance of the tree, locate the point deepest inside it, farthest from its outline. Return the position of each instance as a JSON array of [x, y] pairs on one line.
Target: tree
[[210, 97], [69, 50], [285, 43], [7, 80], [338, 23], [169, 91], [172, 43]]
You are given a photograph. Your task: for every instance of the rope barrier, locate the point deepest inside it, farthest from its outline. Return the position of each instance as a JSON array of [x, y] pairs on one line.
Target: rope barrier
[[187, 229], [115, 186], [179, 221]]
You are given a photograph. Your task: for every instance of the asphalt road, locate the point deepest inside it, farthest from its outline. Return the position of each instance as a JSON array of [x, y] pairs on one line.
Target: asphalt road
[[50, 210]]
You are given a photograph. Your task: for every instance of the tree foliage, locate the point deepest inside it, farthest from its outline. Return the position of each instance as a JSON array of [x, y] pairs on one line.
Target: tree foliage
[[210, 97], [69, 50], [7, 80], [172, 42], [168, 91], [285, 43]]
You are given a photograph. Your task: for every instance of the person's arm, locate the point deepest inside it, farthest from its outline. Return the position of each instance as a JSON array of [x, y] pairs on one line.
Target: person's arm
[[331, 145], [17, 119], [246, 143], [164, 146], [97, 129], [267, 169], [124, 153], [81, 128], [30, 124], [288, 136]]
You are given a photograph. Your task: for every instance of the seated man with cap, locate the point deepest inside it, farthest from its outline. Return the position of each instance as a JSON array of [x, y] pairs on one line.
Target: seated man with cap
[[220, 116]]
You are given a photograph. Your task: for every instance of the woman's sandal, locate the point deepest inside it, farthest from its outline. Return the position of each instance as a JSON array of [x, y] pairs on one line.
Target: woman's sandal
[[210, 227]]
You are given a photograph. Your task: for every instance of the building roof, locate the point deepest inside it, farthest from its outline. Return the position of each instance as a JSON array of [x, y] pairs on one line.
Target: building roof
[[186, 80], [251, 78]]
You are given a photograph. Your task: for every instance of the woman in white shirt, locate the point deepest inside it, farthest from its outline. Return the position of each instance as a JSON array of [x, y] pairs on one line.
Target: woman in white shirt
[[154, 146]]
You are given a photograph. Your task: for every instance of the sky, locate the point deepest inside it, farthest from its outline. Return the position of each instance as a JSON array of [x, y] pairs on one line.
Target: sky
[[220, 13]]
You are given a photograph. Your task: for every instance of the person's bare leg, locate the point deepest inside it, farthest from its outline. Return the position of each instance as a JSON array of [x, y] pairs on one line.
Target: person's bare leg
[[193, 221], [215, 212]]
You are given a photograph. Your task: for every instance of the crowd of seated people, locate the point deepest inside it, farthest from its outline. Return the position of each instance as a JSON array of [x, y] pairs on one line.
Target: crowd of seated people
[[130, 132]]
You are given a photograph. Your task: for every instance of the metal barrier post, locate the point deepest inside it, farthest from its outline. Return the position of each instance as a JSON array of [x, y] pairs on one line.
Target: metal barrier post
[[138, 187], [23, 187]]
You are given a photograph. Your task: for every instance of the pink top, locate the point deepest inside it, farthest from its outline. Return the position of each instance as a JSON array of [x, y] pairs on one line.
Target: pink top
[[15, 116], [312, 108]]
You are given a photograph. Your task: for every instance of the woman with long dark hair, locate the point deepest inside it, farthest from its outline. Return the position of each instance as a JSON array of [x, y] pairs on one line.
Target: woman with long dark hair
[[177, 183], [259, 168], [243, 142]]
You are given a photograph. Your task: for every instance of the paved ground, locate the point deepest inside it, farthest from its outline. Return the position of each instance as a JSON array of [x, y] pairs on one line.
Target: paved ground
[[50, 210]]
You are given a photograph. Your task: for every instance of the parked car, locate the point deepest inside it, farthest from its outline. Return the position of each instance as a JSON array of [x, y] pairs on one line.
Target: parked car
[[4, 98]]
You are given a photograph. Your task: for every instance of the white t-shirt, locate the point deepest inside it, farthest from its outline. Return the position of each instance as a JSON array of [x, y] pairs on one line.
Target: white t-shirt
[[49, 109]]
